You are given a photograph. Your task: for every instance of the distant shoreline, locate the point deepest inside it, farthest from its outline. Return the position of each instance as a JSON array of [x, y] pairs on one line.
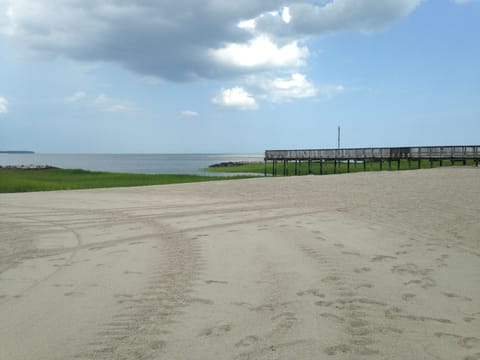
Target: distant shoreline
[[17, 152]]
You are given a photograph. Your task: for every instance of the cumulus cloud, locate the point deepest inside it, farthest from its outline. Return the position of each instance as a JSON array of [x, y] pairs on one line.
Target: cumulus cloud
[[100, 102], [77, 97], [261, 52], [3, 105], [313, 18], [189, 113], [285, 89], [330, 91], [189, 39], [235, 98], [288, 88]]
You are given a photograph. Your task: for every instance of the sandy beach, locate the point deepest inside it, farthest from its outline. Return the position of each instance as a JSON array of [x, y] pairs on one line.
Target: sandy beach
[[382, 265]]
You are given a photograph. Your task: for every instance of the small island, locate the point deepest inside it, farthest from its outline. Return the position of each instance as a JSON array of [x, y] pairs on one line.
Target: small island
[[16, 152]]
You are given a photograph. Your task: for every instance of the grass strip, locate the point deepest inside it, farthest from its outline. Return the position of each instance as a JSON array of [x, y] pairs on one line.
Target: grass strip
[[17, 180]]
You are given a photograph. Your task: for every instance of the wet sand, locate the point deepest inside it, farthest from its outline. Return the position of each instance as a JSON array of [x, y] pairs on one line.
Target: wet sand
[[359, 266]]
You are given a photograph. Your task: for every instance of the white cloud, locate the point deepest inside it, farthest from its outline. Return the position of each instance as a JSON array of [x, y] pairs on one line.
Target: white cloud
[[150, 80], [189, 113], [189, 39], [330, 91], [3, 105], [247, 24], [100, 102], [261, 52], [286, 14], [235, 98], [106, 103], [295, 87], [317, 18], [77, 97]]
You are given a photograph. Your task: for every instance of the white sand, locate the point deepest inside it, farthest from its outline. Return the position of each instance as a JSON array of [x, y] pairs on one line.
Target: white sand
[[360, 266]]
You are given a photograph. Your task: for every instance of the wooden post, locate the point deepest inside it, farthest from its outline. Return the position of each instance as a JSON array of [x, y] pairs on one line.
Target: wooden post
[[364, 164], [381, 164], [309, 166], [441, 163], [335, 166], [321, 167], [348, 165], [398, 164], [265, 167], [285, 167], [274, 168], [419, 163]]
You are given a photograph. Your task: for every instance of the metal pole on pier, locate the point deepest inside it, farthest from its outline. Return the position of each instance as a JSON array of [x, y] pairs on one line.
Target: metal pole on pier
[[339, 137]]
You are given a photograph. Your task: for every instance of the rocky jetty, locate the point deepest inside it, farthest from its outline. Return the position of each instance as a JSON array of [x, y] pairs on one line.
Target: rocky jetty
[[28, 167], [229, 164]]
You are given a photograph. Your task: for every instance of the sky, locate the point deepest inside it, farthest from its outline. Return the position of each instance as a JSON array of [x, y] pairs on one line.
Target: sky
[[215, 76]]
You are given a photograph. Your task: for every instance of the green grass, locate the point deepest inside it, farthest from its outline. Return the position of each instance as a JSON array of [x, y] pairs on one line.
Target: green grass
[[329, 167], [253, 168], [16, 180]]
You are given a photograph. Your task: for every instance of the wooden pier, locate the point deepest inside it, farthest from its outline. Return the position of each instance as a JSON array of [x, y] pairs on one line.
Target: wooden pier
[[452, 154]]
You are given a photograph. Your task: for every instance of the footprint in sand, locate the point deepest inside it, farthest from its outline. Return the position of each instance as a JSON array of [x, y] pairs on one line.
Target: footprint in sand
[[382, 258], [285, 320], [202, 301], [362, 269], [216, 330], [324, 303], [334, 350], [130, 272], [215, 282], [350, 253], [247, 341], [366, 285], [467, 342], [408, 296], [456, 296], [331, 279], [314, 292], [475, 356]]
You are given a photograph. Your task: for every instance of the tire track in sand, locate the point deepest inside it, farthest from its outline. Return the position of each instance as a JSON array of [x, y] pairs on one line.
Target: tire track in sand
[[139, 329]]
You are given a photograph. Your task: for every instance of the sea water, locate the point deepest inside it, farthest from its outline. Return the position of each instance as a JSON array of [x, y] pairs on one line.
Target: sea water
[[130, 163]]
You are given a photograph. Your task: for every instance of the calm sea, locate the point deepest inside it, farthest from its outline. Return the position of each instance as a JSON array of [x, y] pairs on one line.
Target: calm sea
[[131, 163]]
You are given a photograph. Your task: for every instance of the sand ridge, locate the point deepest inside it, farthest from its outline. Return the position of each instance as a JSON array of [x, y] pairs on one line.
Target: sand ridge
[[367, 265]]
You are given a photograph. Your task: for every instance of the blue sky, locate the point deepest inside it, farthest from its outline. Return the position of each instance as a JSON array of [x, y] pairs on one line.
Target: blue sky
[[126, 76]]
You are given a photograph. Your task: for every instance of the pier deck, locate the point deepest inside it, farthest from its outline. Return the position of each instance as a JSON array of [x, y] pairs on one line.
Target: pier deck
[[459, 153]]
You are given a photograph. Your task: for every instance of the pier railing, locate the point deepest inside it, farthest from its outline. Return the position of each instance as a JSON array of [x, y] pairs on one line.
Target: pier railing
[[393, 153]]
